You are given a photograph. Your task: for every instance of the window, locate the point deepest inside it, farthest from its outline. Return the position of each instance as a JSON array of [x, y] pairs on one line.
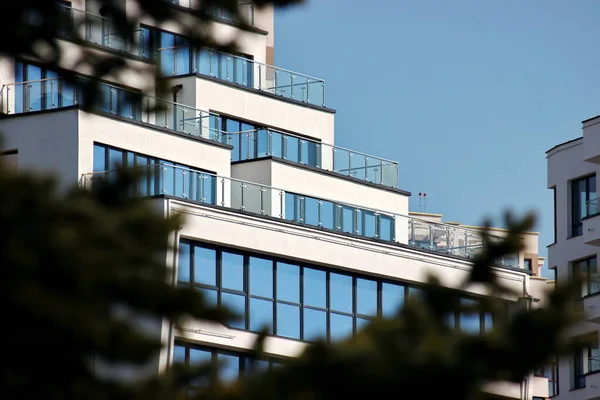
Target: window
[[232, 364], [528, 265], [329, 215], [297, 300], [251, 141], [582, 191], [162, 177], [585, 361], [38, 89], [587, 270], [550, 371]]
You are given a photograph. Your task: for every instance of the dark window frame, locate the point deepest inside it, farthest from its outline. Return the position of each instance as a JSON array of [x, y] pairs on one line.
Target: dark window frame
[[356, 316], [577, 214]]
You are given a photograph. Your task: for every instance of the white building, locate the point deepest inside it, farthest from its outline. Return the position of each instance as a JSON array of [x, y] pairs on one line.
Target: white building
[[572, 169], [281, 224]]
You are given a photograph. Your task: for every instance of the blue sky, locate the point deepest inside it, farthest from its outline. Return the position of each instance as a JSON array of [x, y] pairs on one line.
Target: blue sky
[[466, 94]]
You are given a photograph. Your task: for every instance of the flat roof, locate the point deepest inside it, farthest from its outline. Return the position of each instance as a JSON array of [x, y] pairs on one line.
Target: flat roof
[[563, 143]]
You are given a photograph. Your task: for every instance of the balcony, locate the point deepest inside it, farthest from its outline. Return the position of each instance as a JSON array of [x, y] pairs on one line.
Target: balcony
[[189, 184], [245, 10], [244, 72], [591, 223], [258, 143], [54, 93], [591, 303], [101, 31]]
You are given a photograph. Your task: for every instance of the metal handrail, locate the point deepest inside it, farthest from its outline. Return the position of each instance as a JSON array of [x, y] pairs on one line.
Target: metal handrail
[[350, 205], [315, 79], [313, 141]]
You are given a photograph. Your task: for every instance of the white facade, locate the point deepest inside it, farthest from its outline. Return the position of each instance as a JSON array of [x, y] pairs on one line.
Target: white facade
[[247, 155], [572, 170]]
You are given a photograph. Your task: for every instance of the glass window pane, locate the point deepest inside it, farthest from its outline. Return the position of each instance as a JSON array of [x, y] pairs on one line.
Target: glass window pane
[[340, 292], [288, 282], [488, 321], [291, 144], [470, 322], [315, 290], [328, 215], [392, 298], [288, 321], [386, 227], [315, 324], [237, 304], [366, 297], [229, 367], [183, 268], [261, 277], [292, 207], [347, 222], [99, 158], [340, 326], [209, 295], [205, 266], [311, 211], [362, 323], [199, 357], [261, 314], [232, 271], [115, 158], [178, 354]]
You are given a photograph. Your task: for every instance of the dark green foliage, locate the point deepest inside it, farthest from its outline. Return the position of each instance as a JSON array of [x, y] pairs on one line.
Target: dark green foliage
[[68, 263]]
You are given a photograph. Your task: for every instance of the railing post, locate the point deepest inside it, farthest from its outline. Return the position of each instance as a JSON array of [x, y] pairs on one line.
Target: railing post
[[430, 228], [323, 85], [262, 201], [28, 101], [183, 174], [242, 186], [319, 215], [281, 203], [355, 215], [349, 163], [411, 226], [291, 86], [377, 224], [223, 192], [259, 77], [52, 105], [307, 95], [301, 208], [300, 158], [393, 228]]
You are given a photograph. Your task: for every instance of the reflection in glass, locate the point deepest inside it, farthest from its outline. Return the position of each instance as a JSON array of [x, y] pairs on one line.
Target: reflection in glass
[[288, 321], [205, 266], [392, 298], [315, 290], [183, 269], [232, 271], [340, 292], [340, 326], [366, 296], [261, 314], [261, 277], [315, 324], [237, 304], [288, 282]]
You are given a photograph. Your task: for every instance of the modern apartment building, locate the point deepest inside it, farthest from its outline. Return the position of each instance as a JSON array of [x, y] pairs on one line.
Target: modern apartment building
[[282, 226], [572, 170]]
